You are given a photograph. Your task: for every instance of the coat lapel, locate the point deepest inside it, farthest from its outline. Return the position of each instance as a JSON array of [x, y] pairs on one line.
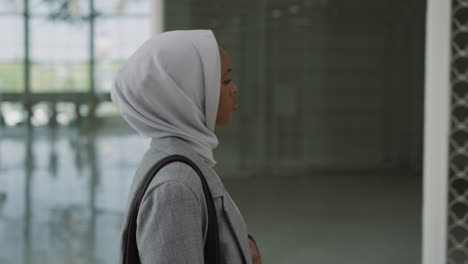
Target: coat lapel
[[236, 222]]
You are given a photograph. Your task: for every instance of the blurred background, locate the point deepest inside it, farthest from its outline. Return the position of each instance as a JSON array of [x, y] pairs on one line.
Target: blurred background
[[323, 157]]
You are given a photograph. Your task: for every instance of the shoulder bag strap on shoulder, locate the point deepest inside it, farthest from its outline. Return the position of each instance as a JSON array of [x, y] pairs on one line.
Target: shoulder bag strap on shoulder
[[211, 247]]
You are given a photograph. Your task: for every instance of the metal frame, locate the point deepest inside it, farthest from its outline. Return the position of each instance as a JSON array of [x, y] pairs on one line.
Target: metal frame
[[27, 59], [436, 132]]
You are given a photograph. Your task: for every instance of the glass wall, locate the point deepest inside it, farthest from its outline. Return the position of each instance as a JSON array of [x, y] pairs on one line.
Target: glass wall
[[59, 54], [319, 80], [121, 27], [55, 48], [296, 62]]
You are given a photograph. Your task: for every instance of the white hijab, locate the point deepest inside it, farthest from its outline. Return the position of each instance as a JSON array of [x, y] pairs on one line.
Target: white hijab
[[170, 87]]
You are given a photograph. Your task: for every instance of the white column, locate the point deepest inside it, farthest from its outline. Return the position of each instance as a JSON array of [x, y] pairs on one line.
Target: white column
[[157, 16], [436, 131]]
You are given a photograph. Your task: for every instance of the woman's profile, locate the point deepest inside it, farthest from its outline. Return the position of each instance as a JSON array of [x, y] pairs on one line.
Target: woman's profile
[[175, 89]]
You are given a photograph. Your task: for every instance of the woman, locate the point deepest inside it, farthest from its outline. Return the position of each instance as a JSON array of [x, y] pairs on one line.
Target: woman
[[175, 89]]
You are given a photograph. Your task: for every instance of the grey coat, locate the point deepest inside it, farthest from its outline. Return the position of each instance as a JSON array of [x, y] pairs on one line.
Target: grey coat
[[172, 221]]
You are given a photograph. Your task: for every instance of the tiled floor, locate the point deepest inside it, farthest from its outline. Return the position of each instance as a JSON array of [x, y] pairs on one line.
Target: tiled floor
[[62, 196]]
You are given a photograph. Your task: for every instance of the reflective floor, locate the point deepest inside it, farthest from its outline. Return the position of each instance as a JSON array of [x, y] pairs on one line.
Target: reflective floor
[[62, 193]]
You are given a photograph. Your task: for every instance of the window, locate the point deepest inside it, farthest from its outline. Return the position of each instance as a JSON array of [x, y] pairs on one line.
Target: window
[[11, 46], [65, 48]]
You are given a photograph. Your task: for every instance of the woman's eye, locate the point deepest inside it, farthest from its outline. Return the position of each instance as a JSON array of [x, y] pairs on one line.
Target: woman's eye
[[227, 81]]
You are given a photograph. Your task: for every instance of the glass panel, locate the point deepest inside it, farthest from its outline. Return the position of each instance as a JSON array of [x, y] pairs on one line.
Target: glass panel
[[123, 7], [60, 61], [11, 54], [64, 9], [116, 39], [11, 6]]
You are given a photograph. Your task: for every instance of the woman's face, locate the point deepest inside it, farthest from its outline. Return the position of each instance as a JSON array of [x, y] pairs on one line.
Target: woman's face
[[227, 99]]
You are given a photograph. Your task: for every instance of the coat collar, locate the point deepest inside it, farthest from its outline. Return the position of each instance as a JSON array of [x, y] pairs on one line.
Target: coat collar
[[175, 145]]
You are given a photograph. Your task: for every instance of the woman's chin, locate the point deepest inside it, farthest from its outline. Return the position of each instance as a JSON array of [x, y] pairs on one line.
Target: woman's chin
[[224, 121]]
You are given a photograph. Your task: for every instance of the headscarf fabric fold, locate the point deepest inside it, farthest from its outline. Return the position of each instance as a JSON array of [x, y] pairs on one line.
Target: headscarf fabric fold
[[170, 87]]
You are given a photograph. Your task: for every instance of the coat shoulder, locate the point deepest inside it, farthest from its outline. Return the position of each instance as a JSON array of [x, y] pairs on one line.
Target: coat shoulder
[[178, 173]]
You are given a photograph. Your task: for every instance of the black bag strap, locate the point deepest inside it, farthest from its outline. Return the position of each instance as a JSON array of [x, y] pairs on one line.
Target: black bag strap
[[211, 247]]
